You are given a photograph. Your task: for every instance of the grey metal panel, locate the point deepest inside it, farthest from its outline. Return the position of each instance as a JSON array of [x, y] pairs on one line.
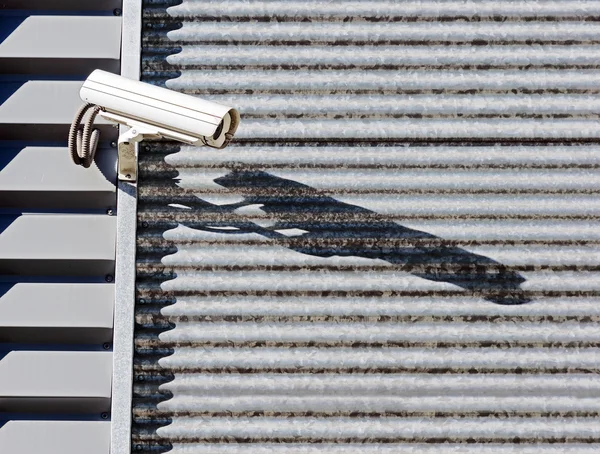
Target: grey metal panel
[[57, 313], [55, 437], [55, 381], [399, 253], [47, 244], [45, 177], [44, 110], [62, 45]]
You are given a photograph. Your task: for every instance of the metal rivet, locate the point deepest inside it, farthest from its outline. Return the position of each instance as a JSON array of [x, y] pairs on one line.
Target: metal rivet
[[117, 11], [141, 378], [138, 447], [109, 212], [104, 415], [113, 144], [108, 278], [106, 346], [145, 224], [142, 301]]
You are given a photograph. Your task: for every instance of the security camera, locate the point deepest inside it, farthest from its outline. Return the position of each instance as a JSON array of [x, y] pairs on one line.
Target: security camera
[[151, 113]]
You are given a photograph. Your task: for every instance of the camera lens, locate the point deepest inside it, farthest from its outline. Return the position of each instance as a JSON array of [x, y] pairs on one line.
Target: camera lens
[[218, 131]]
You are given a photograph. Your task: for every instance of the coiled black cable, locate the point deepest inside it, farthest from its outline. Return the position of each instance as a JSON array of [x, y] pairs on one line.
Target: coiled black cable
[[83, 141]]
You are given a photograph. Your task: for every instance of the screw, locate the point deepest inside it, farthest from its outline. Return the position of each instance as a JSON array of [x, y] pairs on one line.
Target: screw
[[133, 131], [128, 176], [106, 346], [146, 147], [145, 224], [148, 24], [113, 144], [142, 301], [108, 278], [117, 12], [138, 447], [141, 378], [104, 415], [109, 212]]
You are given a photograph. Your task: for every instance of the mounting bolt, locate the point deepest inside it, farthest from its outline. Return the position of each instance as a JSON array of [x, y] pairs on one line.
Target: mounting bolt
[[104, 415], [106, 346], [117, 11], [108, 278], [113, 144]]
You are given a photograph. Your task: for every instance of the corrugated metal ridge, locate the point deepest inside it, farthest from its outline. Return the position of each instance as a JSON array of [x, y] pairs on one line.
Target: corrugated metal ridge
[[400, 250]]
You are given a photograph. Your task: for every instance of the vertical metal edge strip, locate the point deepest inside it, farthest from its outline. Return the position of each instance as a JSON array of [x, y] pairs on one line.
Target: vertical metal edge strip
[[131, 42]]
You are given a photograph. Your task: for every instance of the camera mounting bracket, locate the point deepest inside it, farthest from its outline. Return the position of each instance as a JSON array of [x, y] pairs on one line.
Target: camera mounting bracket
[[127, 166]]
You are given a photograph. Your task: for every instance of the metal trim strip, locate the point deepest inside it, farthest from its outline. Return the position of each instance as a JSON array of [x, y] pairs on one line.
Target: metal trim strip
[[125, 260]]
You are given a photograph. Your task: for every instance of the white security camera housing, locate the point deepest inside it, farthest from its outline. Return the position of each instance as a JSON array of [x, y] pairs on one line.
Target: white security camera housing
[[154, 112]]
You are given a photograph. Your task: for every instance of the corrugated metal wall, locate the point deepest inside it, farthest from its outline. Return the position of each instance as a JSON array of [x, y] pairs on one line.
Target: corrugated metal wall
[[399, 253], [57, 230]]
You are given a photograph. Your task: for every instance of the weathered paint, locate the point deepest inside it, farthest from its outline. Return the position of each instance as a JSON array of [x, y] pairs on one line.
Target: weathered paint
[[400, 250]]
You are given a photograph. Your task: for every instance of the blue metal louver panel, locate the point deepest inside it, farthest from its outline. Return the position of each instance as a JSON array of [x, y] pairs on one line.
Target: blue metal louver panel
[[57, 230]]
